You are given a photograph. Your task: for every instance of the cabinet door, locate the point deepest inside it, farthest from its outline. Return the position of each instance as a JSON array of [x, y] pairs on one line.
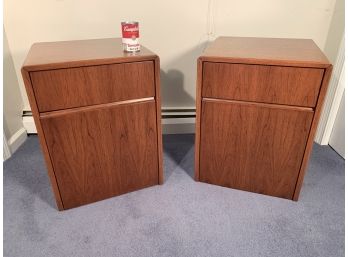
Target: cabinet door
[[101, 152], [253, 147]]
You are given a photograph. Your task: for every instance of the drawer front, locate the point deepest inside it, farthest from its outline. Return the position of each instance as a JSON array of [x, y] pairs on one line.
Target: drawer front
[[253, 147], [83, 86], [103, 152], [260, 83]]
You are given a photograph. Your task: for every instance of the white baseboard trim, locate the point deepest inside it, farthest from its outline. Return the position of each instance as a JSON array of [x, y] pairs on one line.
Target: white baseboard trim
[[29, 124], [6, 148], [178, 126], [17, 139]]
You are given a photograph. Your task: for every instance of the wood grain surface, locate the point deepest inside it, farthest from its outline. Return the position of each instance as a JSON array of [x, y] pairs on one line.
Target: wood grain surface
[[77, 53], [103, 152], [198, 117], [159, 119], [262, 83], [67, 88], [269, 51], [262, 99], [97, 110], [36, 115], [314, 126], [251, 147]]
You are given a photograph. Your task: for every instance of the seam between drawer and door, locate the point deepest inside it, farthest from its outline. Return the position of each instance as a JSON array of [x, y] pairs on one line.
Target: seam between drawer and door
[[261, 104], [94, 107]]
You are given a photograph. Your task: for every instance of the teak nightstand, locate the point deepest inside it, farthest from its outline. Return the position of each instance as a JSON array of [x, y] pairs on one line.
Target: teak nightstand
[[258, 107], [97, 111]]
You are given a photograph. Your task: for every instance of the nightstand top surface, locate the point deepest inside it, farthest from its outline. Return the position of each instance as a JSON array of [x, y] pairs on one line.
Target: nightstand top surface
[[66, 54], [271, 51]]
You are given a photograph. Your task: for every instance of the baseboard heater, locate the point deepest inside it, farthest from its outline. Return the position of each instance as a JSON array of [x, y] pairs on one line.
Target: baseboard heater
[[174, 121]]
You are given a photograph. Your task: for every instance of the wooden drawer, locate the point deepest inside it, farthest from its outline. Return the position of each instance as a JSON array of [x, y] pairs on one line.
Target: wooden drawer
[[83, 86], [262, 83]]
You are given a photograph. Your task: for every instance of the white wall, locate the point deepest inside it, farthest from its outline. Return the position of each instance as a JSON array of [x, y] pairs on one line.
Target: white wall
[[176, 30], [14, 131], [334, 50], [336, 32]]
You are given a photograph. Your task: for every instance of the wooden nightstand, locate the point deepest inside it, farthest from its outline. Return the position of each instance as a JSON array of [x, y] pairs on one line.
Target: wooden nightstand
[[97, 111], [258, 107]]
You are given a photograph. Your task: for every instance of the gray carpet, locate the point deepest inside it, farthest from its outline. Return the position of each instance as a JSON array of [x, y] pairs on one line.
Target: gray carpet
[[179, 218]]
